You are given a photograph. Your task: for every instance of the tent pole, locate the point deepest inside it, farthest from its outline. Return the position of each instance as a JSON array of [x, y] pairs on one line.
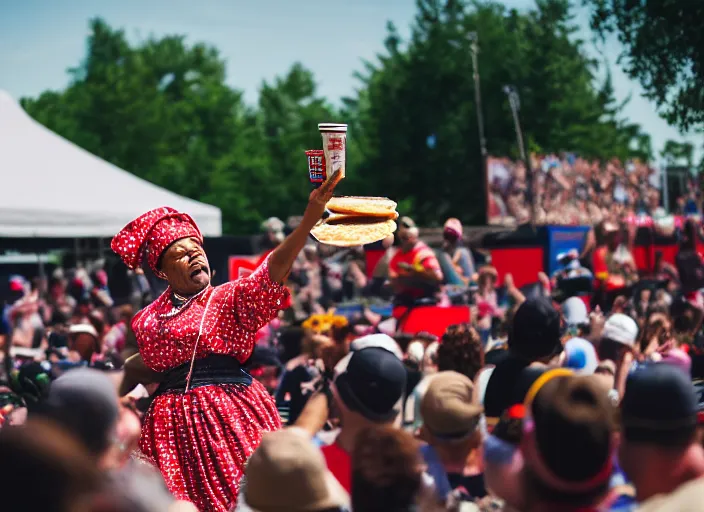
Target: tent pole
[[76, 250], [42, 273]]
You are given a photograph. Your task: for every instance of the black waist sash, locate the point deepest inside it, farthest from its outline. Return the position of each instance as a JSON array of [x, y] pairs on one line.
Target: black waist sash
[[207, 371]]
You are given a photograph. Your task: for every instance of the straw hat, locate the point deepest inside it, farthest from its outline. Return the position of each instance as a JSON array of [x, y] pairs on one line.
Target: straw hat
[[287, 472]]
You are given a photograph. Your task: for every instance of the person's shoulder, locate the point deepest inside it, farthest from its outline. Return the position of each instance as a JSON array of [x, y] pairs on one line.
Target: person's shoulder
[[227, 288], [396, 254], [464, 251], [501, 383], [686, 498], [423, 251], [422, 246], [510, 363], [152, 307], [139, 315]]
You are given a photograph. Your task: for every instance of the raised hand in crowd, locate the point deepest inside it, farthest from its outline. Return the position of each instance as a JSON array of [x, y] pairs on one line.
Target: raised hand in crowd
[[596, 324], [512, 290]]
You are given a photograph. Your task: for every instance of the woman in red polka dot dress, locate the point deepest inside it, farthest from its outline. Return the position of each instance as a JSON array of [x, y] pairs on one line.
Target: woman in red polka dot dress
[[208, 415]]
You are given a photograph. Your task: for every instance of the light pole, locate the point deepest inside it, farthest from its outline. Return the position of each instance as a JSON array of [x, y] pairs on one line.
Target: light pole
[[473, 38], [664, 185], [515, 104], [474, 46]]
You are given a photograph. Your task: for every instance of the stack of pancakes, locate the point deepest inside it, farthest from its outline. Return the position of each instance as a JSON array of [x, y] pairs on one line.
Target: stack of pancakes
[[356, 221]]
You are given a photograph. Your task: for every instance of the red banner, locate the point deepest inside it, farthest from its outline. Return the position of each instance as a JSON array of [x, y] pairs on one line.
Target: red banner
[[241, 266]]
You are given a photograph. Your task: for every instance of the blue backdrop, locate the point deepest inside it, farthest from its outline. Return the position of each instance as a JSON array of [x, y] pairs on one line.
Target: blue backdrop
[[562, 239]]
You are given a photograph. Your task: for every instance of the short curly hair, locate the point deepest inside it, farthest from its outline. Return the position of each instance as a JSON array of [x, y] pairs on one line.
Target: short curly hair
[[461, 350], [387, 470]]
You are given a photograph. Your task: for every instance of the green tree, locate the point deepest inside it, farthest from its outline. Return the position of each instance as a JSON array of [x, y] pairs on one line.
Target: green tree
[[662, 42], [289, 112], [680, 153], [416, 114], [162, 110]]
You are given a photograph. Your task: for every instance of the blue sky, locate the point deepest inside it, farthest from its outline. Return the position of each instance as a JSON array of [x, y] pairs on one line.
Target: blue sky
[[41, 39]]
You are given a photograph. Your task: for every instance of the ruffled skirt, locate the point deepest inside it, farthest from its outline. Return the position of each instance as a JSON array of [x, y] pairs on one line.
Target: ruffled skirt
[[201, 440]]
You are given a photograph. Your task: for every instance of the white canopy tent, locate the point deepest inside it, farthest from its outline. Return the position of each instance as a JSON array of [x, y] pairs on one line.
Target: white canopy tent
[[52, 188]]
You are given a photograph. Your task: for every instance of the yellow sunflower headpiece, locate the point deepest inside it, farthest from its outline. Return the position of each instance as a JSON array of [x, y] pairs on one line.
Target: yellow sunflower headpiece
[[324, 322]]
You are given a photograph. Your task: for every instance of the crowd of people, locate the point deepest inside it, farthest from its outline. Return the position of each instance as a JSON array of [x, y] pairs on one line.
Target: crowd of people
[[576, 191], [548, 400]]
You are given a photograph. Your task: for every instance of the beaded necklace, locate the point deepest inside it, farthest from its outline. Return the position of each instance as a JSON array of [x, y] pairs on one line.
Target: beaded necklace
[[179, 303]]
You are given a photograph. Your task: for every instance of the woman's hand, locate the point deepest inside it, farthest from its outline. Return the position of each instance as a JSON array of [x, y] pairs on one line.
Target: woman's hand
[[319, 198], [282, 258]]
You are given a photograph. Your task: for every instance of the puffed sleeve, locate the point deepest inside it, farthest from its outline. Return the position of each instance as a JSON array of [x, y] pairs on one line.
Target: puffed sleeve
[[257, 299]]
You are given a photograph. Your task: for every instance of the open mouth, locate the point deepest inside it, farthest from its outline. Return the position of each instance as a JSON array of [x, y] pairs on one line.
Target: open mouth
[[196, 271]]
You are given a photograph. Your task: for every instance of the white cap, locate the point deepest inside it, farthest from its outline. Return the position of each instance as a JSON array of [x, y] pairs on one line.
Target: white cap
[[580, 356], [26, 352], [377, 340], [415, 351], [621, 328], [83, 329], [371, 340], [273, 224], [574, 311], [572, 254]]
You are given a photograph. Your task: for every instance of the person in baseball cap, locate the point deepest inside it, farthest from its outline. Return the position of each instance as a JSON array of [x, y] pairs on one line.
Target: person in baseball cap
[[535, 336], [372, 384], [378, 340], [659, 448], [687, 497], [580, 356], [367, 391], [620, 328], [567, 443], [617, 344], [575, 314], [84, 402], [447, 408], [451, 428], [503, 463], [456, 258], [84, 340]]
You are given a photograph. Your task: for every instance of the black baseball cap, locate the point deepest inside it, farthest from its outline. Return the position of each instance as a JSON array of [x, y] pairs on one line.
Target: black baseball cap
[[659, 406], [535, 332], [372, 384]]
